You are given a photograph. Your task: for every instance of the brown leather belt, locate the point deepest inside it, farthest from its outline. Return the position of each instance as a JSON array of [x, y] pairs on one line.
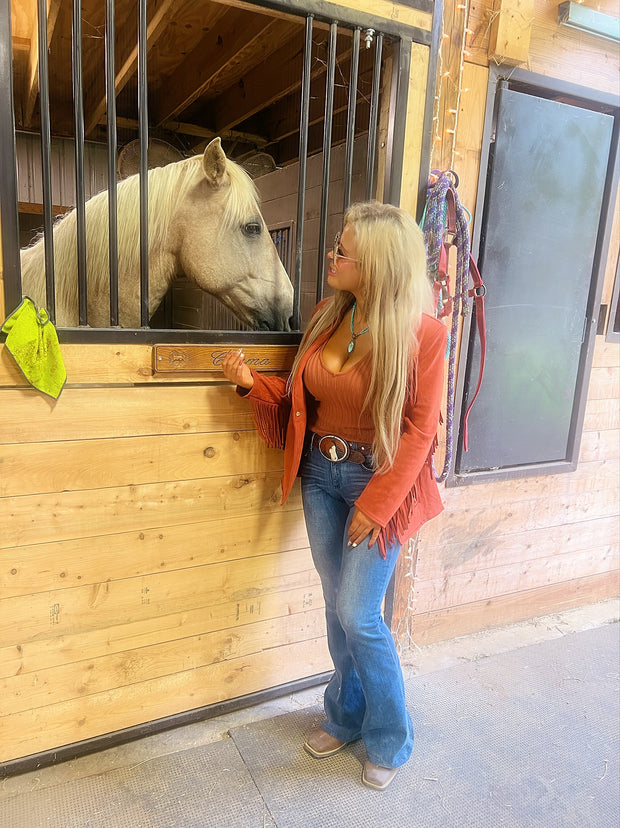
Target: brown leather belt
[[338, 450]]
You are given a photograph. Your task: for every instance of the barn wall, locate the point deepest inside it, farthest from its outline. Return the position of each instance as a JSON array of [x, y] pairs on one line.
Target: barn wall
[[62, 162], [511, 550], [146, 567]]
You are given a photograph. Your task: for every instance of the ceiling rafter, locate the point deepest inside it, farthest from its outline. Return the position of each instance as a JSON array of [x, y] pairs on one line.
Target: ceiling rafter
[[32, 75], [195, 75], [195, 131], [281, 77], [282, 121], [127, 59]]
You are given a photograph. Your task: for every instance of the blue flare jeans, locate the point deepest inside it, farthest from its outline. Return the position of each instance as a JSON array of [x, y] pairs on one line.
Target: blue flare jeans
[[365, 697]]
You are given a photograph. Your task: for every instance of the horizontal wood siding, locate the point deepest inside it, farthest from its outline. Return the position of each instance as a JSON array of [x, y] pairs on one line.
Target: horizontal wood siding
[[505, 551], [146, 567]]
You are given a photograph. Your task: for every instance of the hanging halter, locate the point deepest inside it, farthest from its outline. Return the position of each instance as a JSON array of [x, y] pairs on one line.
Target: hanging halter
[[445, 225]]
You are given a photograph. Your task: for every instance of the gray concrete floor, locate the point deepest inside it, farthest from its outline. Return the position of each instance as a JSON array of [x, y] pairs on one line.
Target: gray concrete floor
[[22, 797]]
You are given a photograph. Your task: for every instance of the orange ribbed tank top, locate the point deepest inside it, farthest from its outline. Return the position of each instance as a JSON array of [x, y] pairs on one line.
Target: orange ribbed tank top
[[335, 400]]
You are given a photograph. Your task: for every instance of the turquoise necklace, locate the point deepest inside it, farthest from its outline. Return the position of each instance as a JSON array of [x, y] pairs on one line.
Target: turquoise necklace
[[354, 335]]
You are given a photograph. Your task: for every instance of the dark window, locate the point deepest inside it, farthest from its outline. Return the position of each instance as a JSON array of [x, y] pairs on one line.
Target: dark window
[[544, 232]]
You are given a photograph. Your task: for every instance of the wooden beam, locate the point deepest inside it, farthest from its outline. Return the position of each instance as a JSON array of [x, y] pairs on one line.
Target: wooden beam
[[449, 84], [197, 131], [282, 75], [20, 44], [127, 59], [511, 29], [32, 77], [201, 132], [35, 209], [201, 69], [287, 150], [283, 120]]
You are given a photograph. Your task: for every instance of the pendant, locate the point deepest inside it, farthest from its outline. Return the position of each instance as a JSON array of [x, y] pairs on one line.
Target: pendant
[[351, 346]]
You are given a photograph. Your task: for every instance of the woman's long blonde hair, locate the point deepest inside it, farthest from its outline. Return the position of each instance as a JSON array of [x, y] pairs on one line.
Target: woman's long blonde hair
[[396, 292]]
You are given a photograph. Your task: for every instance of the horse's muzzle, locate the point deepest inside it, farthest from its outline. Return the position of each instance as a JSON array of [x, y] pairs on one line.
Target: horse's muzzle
[[275, 323]]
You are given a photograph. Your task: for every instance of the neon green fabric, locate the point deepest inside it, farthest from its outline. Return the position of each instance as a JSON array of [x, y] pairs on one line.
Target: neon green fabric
[[33, 343]]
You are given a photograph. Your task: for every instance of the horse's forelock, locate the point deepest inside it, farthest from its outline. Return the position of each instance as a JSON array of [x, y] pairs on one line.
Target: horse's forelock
[[242, 203]]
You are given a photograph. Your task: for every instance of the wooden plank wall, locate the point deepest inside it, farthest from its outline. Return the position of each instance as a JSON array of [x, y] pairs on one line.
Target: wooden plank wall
[[508, 551], [145, 566]]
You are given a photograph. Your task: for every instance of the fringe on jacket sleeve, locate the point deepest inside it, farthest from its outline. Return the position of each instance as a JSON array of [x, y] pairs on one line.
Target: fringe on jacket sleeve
[[271, 420], [397, 528]]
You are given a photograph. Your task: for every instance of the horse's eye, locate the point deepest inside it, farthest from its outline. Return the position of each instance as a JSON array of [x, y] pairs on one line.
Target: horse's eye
[[252, 228]]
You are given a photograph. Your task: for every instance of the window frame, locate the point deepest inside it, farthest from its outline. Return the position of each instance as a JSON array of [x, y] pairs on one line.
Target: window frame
[[541, 85]]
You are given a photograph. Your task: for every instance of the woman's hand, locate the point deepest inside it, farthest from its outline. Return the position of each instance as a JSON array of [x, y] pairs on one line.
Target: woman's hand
[[360, 527], [235, 370]]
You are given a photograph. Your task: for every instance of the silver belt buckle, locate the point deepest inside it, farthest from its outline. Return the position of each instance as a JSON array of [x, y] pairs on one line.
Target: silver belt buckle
[[338, 452]]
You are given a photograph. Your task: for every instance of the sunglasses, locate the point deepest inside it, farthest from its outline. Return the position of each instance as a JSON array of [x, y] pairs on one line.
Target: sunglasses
[[336, 252]]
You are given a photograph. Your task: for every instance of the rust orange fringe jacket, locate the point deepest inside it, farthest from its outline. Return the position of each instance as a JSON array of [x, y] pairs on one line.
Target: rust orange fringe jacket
[[406, 496]]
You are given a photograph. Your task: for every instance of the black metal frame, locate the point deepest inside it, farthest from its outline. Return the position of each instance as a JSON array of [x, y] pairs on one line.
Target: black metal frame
[[611, 334], [8, 168], [46, 167], [78, 122], [526, 81], [313, 10], [112, 149], [129, 734]]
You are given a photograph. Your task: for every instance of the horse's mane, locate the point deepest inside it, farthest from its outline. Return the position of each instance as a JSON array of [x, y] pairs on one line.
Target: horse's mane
[[166, 187]]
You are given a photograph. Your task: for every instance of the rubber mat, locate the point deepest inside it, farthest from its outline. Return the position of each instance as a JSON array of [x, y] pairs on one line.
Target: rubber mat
[[206, 787], [526, 738]]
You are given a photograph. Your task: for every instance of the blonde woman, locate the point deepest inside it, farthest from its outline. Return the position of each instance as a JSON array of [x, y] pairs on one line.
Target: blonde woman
[[357, 419]]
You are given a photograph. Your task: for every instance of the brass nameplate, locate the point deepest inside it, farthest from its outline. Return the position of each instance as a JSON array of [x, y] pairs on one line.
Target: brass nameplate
[[187, 359]]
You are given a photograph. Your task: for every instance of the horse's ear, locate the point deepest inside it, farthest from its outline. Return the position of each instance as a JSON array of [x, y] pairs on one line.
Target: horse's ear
[[214, 163]]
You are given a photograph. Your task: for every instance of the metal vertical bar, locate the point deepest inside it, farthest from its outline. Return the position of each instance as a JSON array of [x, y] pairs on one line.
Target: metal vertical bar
[[110, 94], [327, 148], [429, 108], [374, 118], [143, 130], [398, 119], [46, 167], [80, 198], [8, 166], [348, 161], [303, 158]]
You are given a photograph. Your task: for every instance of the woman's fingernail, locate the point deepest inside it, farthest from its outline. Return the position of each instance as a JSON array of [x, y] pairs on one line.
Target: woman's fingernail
[[348, 543], [353, 545]]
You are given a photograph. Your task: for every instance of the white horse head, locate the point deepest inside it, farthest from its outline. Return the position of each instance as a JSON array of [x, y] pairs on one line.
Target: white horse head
[[204, 222]]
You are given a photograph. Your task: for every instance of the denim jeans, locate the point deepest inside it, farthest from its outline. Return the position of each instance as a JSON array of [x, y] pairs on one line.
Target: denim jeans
[[365, 697]]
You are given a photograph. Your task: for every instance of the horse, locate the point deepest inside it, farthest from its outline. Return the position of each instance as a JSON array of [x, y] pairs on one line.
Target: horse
[[204, 221]]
